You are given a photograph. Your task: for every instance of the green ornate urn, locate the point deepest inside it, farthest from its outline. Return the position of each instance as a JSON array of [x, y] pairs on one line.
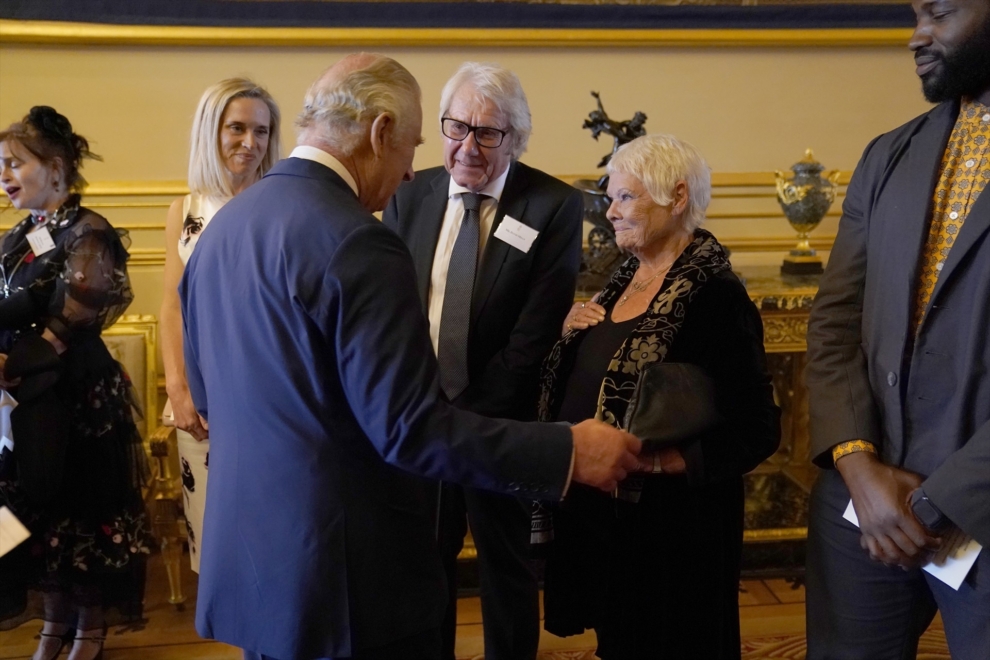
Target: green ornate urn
[[805, 198]]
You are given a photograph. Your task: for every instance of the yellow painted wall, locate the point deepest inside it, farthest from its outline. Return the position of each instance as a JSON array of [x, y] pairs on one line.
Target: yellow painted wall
[[748, 109]]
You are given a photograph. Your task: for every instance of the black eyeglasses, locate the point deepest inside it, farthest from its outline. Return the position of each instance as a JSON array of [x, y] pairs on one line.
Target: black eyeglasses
[[485, 135]]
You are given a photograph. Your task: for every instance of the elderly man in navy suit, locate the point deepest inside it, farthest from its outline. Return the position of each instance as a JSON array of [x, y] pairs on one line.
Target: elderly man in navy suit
[[518, 295], [308, 353], [899, 367]]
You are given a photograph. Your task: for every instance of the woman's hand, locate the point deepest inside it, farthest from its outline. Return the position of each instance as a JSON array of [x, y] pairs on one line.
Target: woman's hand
[[186, 417], [583, 315], [668, 460], [4, 383]]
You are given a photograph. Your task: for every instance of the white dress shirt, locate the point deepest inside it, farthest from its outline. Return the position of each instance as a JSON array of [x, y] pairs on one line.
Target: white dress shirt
[[323, 158], [448, 236]]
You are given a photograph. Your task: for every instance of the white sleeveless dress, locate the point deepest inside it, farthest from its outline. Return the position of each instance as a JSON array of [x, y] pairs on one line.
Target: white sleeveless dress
[[194, 456]]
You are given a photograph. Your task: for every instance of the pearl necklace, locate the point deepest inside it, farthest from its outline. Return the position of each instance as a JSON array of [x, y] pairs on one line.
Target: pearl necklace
[[639, 286]]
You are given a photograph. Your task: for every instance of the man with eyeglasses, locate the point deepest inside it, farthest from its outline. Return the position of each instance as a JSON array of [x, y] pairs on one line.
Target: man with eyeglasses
[[497, 248]]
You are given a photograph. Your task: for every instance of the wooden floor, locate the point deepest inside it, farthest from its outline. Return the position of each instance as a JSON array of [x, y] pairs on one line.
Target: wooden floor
[[771, 614]]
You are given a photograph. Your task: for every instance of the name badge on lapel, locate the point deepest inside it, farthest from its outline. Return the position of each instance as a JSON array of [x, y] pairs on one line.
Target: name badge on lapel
[[41, 241], [516, 234]]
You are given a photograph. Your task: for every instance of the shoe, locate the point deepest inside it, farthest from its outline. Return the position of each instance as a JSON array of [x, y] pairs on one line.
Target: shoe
[[95, 638], [64, 639]]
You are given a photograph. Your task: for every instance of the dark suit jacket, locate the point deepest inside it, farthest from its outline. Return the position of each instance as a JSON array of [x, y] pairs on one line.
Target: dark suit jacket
[[520, 299], [926, 407], [307, 351]]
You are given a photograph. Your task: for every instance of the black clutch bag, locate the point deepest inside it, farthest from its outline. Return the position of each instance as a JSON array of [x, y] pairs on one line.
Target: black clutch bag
[[673, 402]]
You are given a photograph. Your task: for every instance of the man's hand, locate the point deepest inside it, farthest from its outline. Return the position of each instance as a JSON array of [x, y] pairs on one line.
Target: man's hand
[[603, 455], [186, 417], [880, 494]]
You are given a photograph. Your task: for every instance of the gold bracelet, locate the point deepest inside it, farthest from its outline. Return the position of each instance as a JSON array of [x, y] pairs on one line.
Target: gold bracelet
[[851, 447]]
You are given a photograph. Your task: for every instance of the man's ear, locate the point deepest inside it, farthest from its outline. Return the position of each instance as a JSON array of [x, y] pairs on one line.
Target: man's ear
[[381, 134]]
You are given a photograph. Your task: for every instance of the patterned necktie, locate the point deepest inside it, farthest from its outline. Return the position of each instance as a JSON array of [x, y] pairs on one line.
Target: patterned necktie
[[455, 318]]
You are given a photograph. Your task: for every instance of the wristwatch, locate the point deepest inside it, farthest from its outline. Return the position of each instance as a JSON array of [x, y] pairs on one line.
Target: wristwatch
[[926, 512]]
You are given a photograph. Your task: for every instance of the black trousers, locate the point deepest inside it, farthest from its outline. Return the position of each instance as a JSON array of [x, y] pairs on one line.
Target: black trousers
[[509, 587], [421, 646], [859, 609]]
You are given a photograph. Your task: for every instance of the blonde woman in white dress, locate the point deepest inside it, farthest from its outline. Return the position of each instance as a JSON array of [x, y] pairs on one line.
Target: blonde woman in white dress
[[235, 141]]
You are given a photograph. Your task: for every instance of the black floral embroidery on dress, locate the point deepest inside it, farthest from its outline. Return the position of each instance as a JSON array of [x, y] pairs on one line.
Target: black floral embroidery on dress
[[109, 546], [188, 480], [191, 226], [191, 537], [96, 524]]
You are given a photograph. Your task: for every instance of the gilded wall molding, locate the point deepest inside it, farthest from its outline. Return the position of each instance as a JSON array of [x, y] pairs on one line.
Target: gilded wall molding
[[89, 34], [727, 188], [722, 180], [137, 188], [147, 257]]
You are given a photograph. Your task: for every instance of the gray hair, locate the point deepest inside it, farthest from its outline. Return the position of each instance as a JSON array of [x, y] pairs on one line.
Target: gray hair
[[501, 88], [659, 162], [207, 174], [338, 111]]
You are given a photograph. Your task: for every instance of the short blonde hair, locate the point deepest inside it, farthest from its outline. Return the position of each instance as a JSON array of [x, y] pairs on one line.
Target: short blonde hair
[[337, 111], [660, 161], [207, 175], [501, 88]]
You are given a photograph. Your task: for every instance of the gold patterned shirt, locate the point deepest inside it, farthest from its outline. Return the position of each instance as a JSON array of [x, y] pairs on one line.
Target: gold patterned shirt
[[964, 175]]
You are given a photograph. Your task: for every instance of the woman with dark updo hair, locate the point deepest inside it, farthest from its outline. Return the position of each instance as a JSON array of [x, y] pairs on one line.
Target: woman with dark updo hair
[[74, 473]]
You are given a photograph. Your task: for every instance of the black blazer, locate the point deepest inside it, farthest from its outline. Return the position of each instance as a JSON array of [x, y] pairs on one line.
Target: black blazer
[[926, 406], [520, 299], [307, 351]]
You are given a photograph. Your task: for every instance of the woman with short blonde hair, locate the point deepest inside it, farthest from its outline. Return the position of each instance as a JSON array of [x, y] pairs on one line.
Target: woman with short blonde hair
[[235, 141], [655, 571]]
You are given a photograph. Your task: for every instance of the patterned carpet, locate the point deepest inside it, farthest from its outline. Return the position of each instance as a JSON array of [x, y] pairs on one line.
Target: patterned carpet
[[931, 647], [789, 647]]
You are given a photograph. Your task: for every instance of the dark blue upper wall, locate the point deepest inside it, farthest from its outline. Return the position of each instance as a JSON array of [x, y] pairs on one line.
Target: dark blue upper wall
[[265, 13]]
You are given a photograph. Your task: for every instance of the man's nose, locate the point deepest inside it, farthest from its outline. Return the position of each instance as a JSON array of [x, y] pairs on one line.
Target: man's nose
[[921, 37], [471, 143]]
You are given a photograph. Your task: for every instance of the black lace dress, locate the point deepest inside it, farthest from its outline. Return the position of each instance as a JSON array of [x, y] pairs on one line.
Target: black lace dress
[[74, 476]]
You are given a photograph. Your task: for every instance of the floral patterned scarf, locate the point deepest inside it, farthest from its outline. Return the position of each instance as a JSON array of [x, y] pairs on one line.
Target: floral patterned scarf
[[649, 341]]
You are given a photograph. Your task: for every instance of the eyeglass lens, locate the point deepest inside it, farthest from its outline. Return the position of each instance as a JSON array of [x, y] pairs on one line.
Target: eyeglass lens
[[458, 130]]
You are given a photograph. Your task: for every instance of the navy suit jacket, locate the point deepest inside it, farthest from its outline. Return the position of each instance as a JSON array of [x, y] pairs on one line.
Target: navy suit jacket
[[520, 298], [308, 352], [926, 403]]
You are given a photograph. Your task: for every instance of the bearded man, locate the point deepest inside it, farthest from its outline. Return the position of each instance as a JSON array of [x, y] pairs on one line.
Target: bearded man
[[899, 367]]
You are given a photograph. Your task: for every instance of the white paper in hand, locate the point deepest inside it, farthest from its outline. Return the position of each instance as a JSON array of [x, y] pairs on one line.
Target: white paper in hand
[[12, 532], [952, 563], [7, 405]]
